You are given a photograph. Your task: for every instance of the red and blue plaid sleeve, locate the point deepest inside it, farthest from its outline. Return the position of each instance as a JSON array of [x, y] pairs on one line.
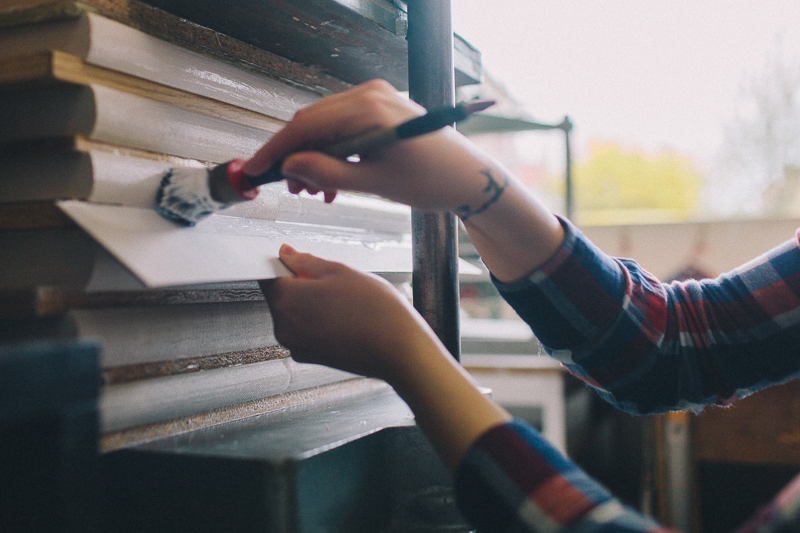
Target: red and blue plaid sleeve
[[513, 480], [650, 347]]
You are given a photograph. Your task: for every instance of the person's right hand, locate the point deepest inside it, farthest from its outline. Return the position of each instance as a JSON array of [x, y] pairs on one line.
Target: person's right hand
[[438, 171]]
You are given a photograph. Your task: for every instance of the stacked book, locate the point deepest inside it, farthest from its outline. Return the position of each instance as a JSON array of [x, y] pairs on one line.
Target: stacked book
[[95, 107]]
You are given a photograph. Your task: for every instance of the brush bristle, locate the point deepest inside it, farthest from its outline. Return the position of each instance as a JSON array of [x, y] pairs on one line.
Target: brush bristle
[[184, 196]]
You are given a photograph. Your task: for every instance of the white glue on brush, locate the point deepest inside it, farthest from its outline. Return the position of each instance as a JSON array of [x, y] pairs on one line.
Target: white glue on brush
[[189, 195]]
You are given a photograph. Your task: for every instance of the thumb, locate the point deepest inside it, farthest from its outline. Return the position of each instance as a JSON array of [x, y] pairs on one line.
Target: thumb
[[304, 266]]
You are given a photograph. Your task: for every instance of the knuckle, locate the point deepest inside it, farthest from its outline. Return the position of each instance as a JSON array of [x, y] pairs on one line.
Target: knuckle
[[379, 85], [300, 115]]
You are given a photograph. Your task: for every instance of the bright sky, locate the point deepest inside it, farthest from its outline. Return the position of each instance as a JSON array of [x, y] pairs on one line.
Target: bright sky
[[649, 74]]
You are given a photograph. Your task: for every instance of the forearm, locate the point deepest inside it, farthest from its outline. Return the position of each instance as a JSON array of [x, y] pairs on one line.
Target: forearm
[[449, 408], [515, 233]]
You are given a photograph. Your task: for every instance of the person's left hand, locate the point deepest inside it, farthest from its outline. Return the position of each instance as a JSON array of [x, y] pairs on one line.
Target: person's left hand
[[333, 315]]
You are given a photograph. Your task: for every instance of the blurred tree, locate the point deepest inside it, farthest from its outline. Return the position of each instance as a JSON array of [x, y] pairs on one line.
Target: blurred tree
[[618, 185], [761, 147]]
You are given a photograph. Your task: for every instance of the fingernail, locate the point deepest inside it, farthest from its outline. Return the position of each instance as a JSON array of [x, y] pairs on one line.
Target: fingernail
[[287, 250]]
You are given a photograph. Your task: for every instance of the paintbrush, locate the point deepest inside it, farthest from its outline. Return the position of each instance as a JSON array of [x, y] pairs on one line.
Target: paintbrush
[[188, 195]]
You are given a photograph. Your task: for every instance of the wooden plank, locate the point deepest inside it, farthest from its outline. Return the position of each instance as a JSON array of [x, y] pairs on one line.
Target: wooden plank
[[135, 403], [39, 301], [761, 429], [127, 373], [36, 301], [111, 45], [38, 255], [302, 468], [79, 143], [146, 124], [160, 430], [77, 168], [333, 36], [32, 215], [177, 30], [55, 66], [323, 44]]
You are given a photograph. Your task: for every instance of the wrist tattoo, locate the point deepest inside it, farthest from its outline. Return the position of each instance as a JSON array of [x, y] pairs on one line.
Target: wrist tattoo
[[493, 188]]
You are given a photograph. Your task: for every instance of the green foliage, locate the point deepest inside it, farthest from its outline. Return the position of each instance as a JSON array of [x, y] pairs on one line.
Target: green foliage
[[617, 185]]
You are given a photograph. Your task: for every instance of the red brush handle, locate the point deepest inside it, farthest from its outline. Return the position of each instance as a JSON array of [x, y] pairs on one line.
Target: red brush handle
[[238, 180]]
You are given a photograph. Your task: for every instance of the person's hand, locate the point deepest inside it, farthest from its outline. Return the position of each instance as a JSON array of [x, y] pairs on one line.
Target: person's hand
[[437, 171], [333, 315], [440, 171]]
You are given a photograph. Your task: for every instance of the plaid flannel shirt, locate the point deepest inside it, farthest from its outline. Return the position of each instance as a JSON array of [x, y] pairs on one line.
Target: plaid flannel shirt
[[646, 347]]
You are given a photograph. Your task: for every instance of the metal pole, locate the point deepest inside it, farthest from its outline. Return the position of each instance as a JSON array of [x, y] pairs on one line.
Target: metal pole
[[434, 235], [569, 199]]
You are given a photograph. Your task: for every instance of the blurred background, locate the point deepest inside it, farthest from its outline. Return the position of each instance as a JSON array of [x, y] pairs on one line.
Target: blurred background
[[683, 110]]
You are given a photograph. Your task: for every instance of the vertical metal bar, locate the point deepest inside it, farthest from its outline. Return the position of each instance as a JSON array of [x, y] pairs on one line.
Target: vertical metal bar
[[678, 463], [569, 199], [434, 235]]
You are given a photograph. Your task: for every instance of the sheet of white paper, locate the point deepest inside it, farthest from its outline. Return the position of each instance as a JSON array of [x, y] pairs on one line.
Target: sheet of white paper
[[224, 248]]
